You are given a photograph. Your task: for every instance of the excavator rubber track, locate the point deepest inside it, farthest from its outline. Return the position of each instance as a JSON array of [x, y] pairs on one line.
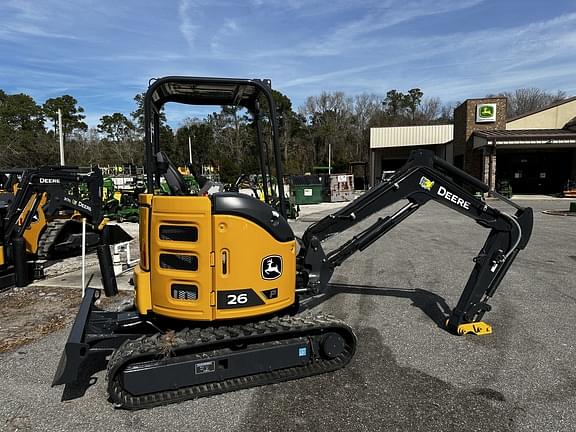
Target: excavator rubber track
[[172, 367], [53, 242], [46, 240]]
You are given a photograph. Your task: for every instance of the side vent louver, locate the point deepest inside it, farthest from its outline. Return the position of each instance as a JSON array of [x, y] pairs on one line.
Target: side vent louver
[[184, 292], [178, 233], [179, 262]]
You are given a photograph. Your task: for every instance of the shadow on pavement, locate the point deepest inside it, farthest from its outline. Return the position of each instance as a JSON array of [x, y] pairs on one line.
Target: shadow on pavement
[[376, 393], [433, 305]]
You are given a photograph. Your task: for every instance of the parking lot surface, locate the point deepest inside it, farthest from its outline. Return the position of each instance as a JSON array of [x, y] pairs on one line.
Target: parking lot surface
[[408, 373]]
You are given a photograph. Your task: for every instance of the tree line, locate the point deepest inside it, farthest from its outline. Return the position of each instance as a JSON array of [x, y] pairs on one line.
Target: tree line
[[224, 139]]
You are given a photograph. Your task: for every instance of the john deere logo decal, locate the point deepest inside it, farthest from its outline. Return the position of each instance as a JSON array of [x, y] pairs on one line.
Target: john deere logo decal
[[426, 183], [271, 267], [485, 113]]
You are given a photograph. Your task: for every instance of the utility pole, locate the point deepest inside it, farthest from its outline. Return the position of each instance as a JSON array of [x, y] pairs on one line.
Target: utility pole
[[61, 136], [190, 148], [329, 158]]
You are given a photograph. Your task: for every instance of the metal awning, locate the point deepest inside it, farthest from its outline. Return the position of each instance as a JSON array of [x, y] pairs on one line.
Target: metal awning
[[531, 138], [408, 136]]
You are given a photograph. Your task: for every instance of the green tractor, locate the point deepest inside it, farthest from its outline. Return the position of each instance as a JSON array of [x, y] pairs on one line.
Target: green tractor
[[121, 204]]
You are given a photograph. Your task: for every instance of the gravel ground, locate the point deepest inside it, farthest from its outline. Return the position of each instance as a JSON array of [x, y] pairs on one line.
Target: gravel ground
[[408, 374]]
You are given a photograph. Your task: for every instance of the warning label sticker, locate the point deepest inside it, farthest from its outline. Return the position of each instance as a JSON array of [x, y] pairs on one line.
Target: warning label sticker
[[204, 367]]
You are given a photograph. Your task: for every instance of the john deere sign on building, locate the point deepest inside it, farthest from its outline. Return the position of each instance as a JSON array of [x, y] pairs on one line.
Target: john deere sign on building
[[532, 153], [485, 113]]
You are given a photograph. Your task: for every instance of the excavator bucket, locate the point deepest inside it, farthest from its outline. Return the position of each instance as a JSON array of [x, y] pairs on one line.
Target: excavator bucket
[[63, 237], [478, 328]]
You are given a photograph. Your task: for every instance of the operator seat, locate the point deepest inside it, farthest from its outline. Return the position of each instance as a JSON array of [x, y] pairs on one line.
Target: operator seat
[[173, 178]]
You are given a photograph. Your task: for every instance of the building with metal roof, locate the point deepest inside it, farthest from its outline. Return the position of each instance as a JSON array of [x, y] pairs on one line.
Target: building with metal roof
[[534, 152]]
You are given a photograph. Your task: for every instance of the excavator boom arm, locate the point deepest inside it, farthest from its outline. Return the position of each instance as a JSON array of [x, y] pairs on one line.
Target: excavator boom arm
[[54, 181], [425, 177]]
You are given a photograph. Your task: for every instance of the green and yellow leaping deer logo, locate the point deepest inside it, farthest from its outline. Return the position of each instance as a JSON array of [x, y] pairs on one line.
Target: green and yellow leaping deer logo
[[486, 111], [426, 183]]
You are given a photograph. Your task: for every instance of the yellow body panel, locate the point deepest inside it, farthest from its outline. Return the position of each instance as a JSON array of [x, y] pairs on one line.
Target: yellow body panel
[[226, 255], [35, 229], [143, 296], [188, 211], [243, 245], [145, 201], [1, 255]]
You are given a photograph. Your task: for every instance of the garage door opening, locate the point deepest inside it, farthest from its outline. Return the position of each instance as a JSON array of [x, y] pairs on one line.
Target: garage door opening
[[536, 171]]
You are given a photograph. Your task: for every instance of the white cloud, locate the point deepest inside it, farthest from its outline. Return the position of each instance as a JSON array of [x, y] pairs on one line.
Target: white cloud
[[26, 19], [187, 28], [456, 65], [304, 47], [385, 15], [231, 26], [13, 30]]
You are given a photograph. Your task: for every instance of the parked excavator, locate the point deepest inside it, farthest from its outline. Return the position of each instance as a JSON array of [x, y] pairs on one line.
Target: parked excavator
[[40, 218], [221, 278]]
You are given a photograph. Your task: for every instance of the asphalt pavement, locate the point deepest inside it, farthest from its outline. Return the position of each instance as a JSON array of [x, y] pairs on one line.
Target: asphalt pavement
[[408, 374]]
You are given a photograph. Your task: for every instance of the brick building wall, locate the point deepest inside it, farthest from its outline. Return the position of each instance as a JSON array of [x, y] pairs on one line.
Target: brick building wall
[[465, 124]]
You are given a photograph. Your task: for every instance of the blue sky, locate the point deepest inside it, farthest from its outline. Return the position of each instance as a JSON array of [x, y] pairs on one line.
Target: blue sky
[[104, 52]]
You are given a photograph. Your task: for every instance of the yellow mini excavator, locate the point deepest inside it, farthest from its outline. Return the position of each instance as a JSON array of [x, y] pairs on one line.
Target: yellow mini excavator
[[221, 278]]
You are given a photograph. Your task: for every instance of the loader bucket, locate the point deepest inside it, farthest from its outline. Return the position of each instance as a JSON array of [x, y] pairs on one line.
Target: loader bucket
[[116, 234], [76, 351]]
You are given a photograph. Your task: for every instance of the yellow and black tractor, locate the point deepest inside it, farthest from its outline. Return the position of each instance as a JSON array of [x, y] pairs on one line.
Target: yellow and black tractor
[[40, 219], [222, 278]]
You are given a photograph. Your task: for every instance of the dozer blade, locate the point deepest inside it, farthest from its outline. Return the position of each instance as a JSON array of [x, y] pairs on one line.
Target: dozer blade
[[76, 351]]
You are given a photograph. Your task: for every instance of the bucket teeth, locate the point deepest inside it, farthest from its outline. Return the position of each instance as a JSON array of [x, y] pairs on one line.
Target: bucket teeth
[[478, 328]]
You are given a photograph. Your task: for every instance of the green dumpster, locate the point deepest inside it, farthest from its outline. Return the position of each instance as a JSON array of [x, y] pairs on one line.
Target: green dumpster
[[306, 189]]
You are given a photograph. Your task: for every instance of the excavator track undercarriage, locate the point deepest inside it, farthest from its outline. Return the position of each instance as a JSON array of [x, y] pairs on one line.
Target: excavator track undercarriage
[[192, 363]]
